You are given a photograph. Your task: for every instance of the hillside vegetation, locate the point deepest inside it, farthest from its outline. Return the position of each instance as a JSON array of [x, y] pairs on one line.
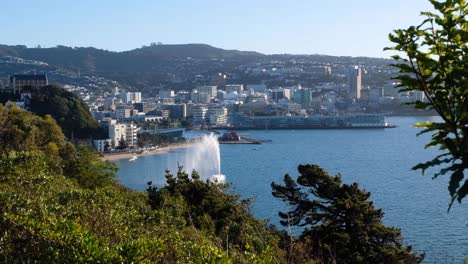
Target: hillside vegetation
[[68, 109], [61, 204]]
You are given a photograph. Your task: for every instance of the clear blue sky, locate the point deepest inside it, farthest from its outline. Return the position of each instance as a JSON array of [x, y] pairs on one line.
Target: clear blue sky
[[333, 27]]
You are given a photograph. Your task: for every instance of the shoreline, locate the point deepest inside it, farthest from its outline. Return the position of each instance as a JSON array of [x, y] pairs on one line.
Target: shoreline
[[129, 155]]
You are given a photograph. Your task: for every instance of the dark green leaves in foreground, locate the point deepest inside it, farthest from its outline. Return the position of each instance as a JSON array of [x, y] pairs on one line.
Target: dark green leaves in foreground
[[436, 64], [342, 224], [60, 204]]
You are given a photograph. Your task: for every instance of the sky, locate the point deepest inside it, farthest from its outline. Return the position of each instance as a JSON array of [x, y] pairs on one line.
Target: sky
[[331, 27]]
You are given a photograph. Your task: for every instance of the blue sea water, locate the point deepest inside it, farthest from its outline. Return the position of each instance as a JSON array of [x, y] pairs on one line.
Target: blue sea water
[[380, 160]]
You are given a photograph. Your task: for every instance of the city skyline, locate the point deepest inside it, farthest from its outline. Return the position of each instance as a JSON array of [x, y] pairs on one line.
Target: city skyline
[[358, 28]]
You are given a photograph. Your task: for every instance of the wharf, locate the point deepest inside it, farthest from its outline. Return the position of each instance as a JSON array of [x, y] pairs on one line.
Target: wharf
[[241, 141]]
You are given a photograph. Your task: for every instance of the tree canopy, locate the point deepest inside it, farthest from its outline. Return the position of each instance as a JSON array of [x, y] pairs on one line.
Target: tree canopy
[[210, 207], [342, 224], [70, 111], [60, 204], [435, 63]]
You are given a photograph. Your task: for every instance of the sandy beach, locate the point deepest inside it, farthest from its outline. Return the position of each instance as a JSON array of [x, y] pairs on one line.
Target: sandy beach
[[128, 155]]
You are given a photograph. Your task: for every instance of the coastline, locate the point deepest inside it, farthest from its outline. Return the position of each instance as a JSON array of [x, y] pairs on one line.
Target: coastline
[[129, 155]]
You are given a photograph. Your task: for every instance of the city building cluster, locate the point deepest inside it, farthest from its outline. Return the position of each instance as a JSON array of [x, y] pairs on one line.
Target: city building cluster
[[268, 93]]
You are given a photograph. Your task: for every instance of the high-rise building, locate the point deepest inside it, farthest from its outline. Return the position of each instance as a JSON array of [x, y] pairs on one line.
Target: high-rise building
[[354, 80]]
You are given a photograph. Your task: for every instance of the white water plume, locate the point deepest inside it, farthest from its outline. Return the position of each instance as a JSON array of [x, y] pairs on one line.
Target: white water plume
[[204, 157]]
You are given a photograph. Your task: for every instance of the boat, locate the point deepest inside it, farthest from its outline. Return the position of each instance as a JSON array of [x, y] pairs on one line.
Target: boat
[[230, 136], [233, 138], [133, 158]]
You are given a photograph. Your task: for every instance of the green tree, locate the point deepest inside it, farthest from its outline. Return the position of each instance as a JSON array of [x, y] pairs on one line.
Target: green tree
[[107, 146], [70, 111], [435, 63], [342, 225], [122, 143], [210, 208]]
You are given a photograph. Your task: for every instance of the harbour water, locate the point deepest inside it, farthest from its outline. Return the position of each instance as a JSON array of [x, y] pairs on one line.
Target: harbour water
[[380, 160]]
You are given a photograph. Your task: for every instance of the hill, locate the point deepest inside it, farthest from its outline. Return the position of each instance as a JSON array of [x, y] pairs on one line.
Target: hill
[[97, 60]]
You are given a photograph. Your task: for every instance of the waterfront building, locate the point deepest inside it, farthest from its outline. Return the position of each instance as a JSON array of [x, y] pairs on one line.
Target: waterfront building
[[216, 115], [128, 132], [101, 144], [199, 115], [19, 81], [307, 122]]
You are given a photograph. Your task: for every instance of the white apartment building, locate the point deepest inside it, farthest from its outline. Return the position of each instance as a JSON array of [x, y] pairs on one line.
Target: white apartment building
[[125, 131], [100, 144], [216, 115], [132, 97], [199, 115]]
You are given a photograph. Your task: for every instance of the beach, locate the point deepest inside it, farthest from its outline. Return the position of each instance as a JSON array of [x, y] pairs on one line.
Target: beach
[[129, 155]]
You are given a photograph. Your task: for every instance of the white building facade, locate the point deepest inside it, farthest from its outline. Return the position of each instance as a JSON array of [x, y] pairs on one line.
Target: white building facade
[[128, 132]]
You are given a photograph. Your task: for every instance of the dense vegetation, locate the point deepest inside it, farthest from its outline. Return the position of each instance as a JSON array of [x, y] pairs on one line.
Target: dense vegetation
[[342, 225], [70, 111], [60, 204], [436, 64]]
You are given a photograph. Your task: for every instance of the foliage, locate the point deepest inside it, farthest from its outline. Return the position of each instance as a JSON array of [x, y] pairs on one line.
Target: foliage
[[147, 139], [123, 144], [23, 131], [208, 207], [342, 224], [436, 65], [68, 109], [60, 204], [48, 219]]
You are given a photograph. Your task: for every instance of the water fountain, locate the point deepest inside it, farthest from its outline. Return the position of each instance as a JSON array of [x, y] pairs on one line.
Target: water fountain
[[204, 157]]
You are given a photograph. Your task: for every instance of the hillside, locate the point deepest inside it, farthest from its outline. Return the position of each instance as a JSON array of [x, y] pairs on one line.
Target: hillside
[[141, 59], [179, 67]]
